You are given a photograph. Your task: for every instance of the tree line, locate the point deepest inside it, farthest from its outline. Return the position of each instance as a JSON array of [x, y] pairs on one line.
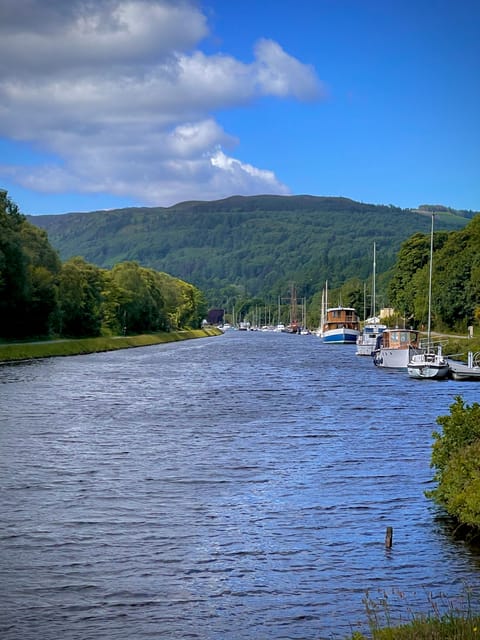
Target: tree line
[[42, 296], [242, 253], [251, 246], [455, 278]]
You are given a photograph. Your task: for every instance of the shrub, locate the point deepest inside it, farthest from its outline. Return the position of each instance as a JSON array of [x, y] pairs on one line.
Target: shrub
[[456, 458]]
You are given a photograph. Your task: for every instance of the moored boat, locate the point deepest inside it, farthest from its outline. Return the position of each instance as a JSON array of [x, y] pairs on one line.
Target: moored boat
[[395, 348], [341, 326], [431, 364], [372, 327], [367, 340], [428, 365]]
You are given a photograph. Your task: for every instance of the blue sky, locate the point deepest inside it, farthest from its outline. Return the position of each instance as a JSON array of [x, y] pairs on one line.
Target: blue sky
[[151, 102]]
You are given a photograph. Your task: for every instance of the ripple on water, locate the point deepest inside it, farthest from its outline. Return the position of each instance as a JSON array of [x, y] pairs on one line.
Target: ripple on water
[[229, 488]]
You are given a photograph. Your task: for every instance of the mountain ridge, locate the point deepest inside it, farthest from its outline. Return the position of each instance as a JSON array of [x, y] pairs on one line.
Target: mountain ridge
[[254, 244]]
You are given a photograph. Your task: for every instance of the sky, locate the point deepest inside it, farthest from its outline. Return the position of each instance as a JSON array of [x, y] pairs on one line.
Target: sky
[[118, 103]]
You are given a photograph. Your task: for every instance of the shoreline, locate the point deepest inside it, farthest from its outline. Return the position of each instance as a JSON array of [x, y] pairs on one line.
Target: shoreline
[[18, 351]]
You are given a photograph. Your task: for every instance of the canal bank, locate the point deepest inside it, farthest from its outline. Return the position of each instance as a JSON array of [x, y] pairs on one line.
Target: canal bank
[[49, 348]]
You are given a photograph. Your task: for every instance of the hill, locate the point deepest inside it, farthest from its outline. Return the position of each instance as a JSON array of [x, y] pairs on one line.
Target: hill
[[247, 244]]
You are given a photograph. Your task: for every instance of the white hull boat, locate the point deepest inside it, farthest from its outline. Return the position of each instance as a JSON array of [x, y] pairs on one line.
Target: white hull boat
[[367, 340], [372, 328], [429, 366], [395, 348]]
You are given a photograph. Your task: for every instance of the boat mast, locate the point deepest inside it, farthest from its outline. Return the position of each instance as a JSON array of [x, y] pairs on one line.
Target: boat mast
[[429, 324], [373, 283], [293, 305]]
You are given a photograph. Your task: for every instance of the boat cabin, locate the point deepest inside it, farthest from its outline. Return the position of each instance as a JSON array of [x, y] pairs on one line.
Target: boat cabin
[[342, 317], [399, 338]]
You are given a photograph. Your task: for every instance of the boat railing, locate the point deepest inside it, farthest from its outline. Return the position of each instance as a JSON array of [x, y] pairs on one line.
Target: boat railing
[[432, 345], [471, 359]]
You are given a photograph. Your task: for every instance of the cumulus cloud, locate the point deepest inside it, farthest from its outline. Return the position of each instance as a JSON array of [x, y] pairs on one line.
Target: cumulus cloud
[[121, 94]]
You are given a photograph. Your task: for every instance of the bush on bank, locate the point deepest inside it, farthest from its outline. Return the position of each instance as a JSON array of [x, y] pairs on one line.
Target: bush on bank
[[456, 458]]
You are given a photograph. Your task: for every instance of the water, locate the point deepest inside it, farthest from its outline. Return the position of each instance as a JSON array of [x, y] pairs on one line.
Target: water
[[230, 488]]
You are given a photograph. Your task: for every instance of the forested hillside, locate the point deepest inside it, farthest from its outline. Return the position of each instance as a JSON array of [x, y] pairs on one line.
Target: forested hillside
[[248, 246]]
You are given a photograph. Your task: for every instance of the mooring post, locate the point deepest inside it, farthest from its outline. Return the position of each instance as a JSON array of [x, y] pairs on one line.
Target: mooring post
[[389, 538]]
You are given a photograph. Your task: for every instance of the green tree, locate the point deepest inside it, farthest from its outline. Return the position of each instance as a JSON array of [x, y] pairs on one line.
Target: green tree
[[456, 280], [80, 298], [412, 257], [28, 268], [13, 269], [43, 267], [141, 305]]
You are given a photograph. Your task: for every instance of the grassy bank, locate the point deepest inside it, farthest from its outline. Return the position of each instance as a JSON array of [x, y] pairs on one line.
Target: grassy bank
[[48, 348], [448, 619], [457, 347], [449, 627]]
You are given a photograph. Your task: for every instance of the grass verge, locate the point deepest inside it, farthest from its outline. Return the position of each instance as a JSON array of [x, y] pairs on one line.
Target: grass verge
[[447, 620], [49, 348]]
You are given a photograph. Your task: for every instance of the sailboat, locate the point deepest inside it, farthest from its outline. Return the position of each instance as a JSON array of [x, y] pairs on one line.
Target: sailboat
[[372, 328], [430, 364]]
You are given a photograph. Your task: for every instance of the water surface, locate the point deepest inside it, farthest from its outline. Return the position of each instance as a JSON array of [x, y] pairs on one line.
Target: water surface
[[230, 488]]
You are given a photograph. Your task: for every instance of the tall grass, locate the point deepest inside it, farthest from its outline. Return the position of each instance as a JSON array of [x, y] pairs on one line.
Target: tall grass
[[389, 617]]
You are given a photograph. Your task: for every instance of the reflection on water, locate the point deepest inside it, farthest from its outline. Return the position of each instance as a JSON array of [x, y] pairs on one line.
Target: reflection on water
[[229, 488]]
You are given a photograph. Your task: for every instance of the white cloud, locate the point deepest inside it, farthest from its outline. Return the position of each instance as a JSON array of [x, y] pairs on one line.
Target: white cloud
[[118, 91], [281, 75]]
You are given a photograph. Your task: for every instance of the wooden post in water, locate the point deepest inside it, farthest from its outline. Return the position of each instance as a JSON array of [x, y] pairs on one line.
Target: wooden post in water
[[389, 538]]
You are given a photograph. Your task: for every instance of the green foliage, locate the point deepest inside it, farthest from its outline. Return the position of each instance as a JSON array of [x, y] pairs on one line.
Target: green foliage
[[390, 618], [9, 212], [80, 295], [28, 267], [457, 286], [456, 458], [141, 303], [449, 627], [455, 282], [247, 246], [40, 296]]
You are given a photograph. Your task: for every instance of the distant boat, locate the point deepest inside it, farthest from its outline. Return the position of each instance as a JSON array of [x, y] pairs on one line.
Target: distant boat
[[429, 364], [395, 348], [372, 328], [341, 326], [469, 371]]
